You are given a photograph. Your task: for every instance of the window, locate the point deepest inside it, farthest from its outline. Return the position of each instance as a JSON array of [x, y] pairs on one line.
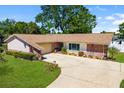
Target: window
[[73, 46]]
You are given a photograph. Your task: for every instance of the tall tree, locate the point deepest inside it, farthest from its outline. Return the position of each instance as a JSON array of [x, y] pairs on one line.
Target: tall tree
[[103, 31], [6, 27], [121, 30], [21, 27], [33, 28], [9, 26], [26, 28], [66, 19]]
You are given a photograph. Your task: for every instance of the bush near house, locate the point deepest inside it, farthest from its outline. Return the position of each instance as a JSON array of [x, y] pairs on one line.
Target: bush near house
[[122, 84], [4, 46], [113, 52], [64, 50], [115, 55], [28, 56], [1, 49], [2, 59]]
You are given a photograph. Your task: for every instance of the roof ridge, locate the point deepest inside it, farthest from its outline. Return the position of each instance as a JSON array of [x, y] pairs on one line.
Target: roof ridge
[[69, 34]]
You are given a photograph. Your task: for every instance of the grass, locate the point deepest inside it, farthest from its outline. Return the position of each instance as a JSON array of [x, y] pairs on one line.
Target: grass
[[122, 84], [119, 57], [19, 73]]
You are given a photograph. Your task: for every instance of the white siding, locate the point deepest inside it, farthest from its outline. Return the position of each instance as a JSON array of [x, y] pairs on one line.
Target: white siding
[[17, 45], [116, 44], [83, 47], [66, 45]]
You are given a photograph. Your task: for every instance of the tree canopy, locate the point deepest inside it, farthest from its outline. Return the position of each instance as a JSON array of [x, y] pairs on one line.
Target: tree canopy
[[26, 28], [103, 31], [10, 26], [66, 19], [121, 30]]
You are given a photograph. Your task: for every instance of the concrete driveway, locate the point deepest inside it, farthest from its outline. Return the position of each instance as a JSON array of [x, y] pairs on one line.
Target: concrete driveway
[[78, 72]]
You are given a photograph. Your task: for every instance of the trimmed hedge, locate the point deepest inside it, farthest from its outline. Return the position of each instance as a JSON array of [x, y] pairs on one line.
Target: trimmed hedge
[[24, 55]]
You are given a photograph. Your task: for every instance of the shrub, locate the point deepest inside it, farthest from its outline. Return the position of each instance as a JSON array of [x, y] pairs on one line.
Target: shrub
[[90, 56], [80, 53], [4, 46], [112, 52], [122, 84], [64, 50], [2, 59], [28, 56], [1, 49], [52, 67]]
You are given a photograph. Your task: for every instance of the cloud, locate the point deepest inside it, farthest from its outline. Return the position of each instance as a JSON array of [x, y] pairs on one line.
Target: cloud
[[3, 18], [119, 15], [110, 18], [119, 18], [117, 22], [99, 18], [103, 22], [116, 18], [113, 30], [101, 9], [9, 17]]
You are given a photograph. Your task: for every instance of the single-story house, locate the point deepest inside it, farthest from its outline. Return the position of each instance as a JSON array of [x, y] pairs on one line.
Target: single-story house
[[88, 44]]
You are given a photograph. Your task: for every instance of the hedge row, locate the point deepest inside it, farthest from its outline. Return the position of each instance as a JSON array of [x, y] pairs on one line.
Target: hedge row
[[28, 56]]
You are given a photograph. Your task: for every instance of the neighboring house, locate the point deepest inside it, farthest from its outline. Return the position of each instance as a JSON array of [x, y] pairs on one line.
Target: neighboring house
[[117, 43], [89, 44]]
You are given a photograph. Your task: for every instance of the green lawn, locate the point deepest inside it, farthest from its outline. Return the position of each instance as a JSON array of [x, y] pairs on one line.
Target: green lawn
[[119, 57], [122, 84], [19, 73]]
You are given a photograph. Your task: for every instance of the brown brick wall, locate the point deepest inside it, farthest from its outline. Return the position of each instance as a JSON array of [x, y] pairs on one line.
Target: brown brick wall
[[97, 48], [57, 45]]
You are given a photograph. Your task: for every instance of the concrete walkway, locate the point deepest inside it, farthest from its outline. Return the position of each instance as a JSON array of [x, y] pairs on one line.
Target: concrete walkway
[[78, 72]]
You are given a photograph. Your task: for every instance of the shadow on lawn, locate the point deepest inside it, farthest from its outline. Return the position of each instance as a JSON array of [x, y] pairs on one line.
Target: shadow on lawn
[[5, 69]]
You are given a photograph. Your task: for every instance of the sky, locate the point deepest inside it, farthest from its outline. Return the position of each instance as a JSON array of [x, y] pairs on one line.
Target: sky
[[108, 17], [25, 13]]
